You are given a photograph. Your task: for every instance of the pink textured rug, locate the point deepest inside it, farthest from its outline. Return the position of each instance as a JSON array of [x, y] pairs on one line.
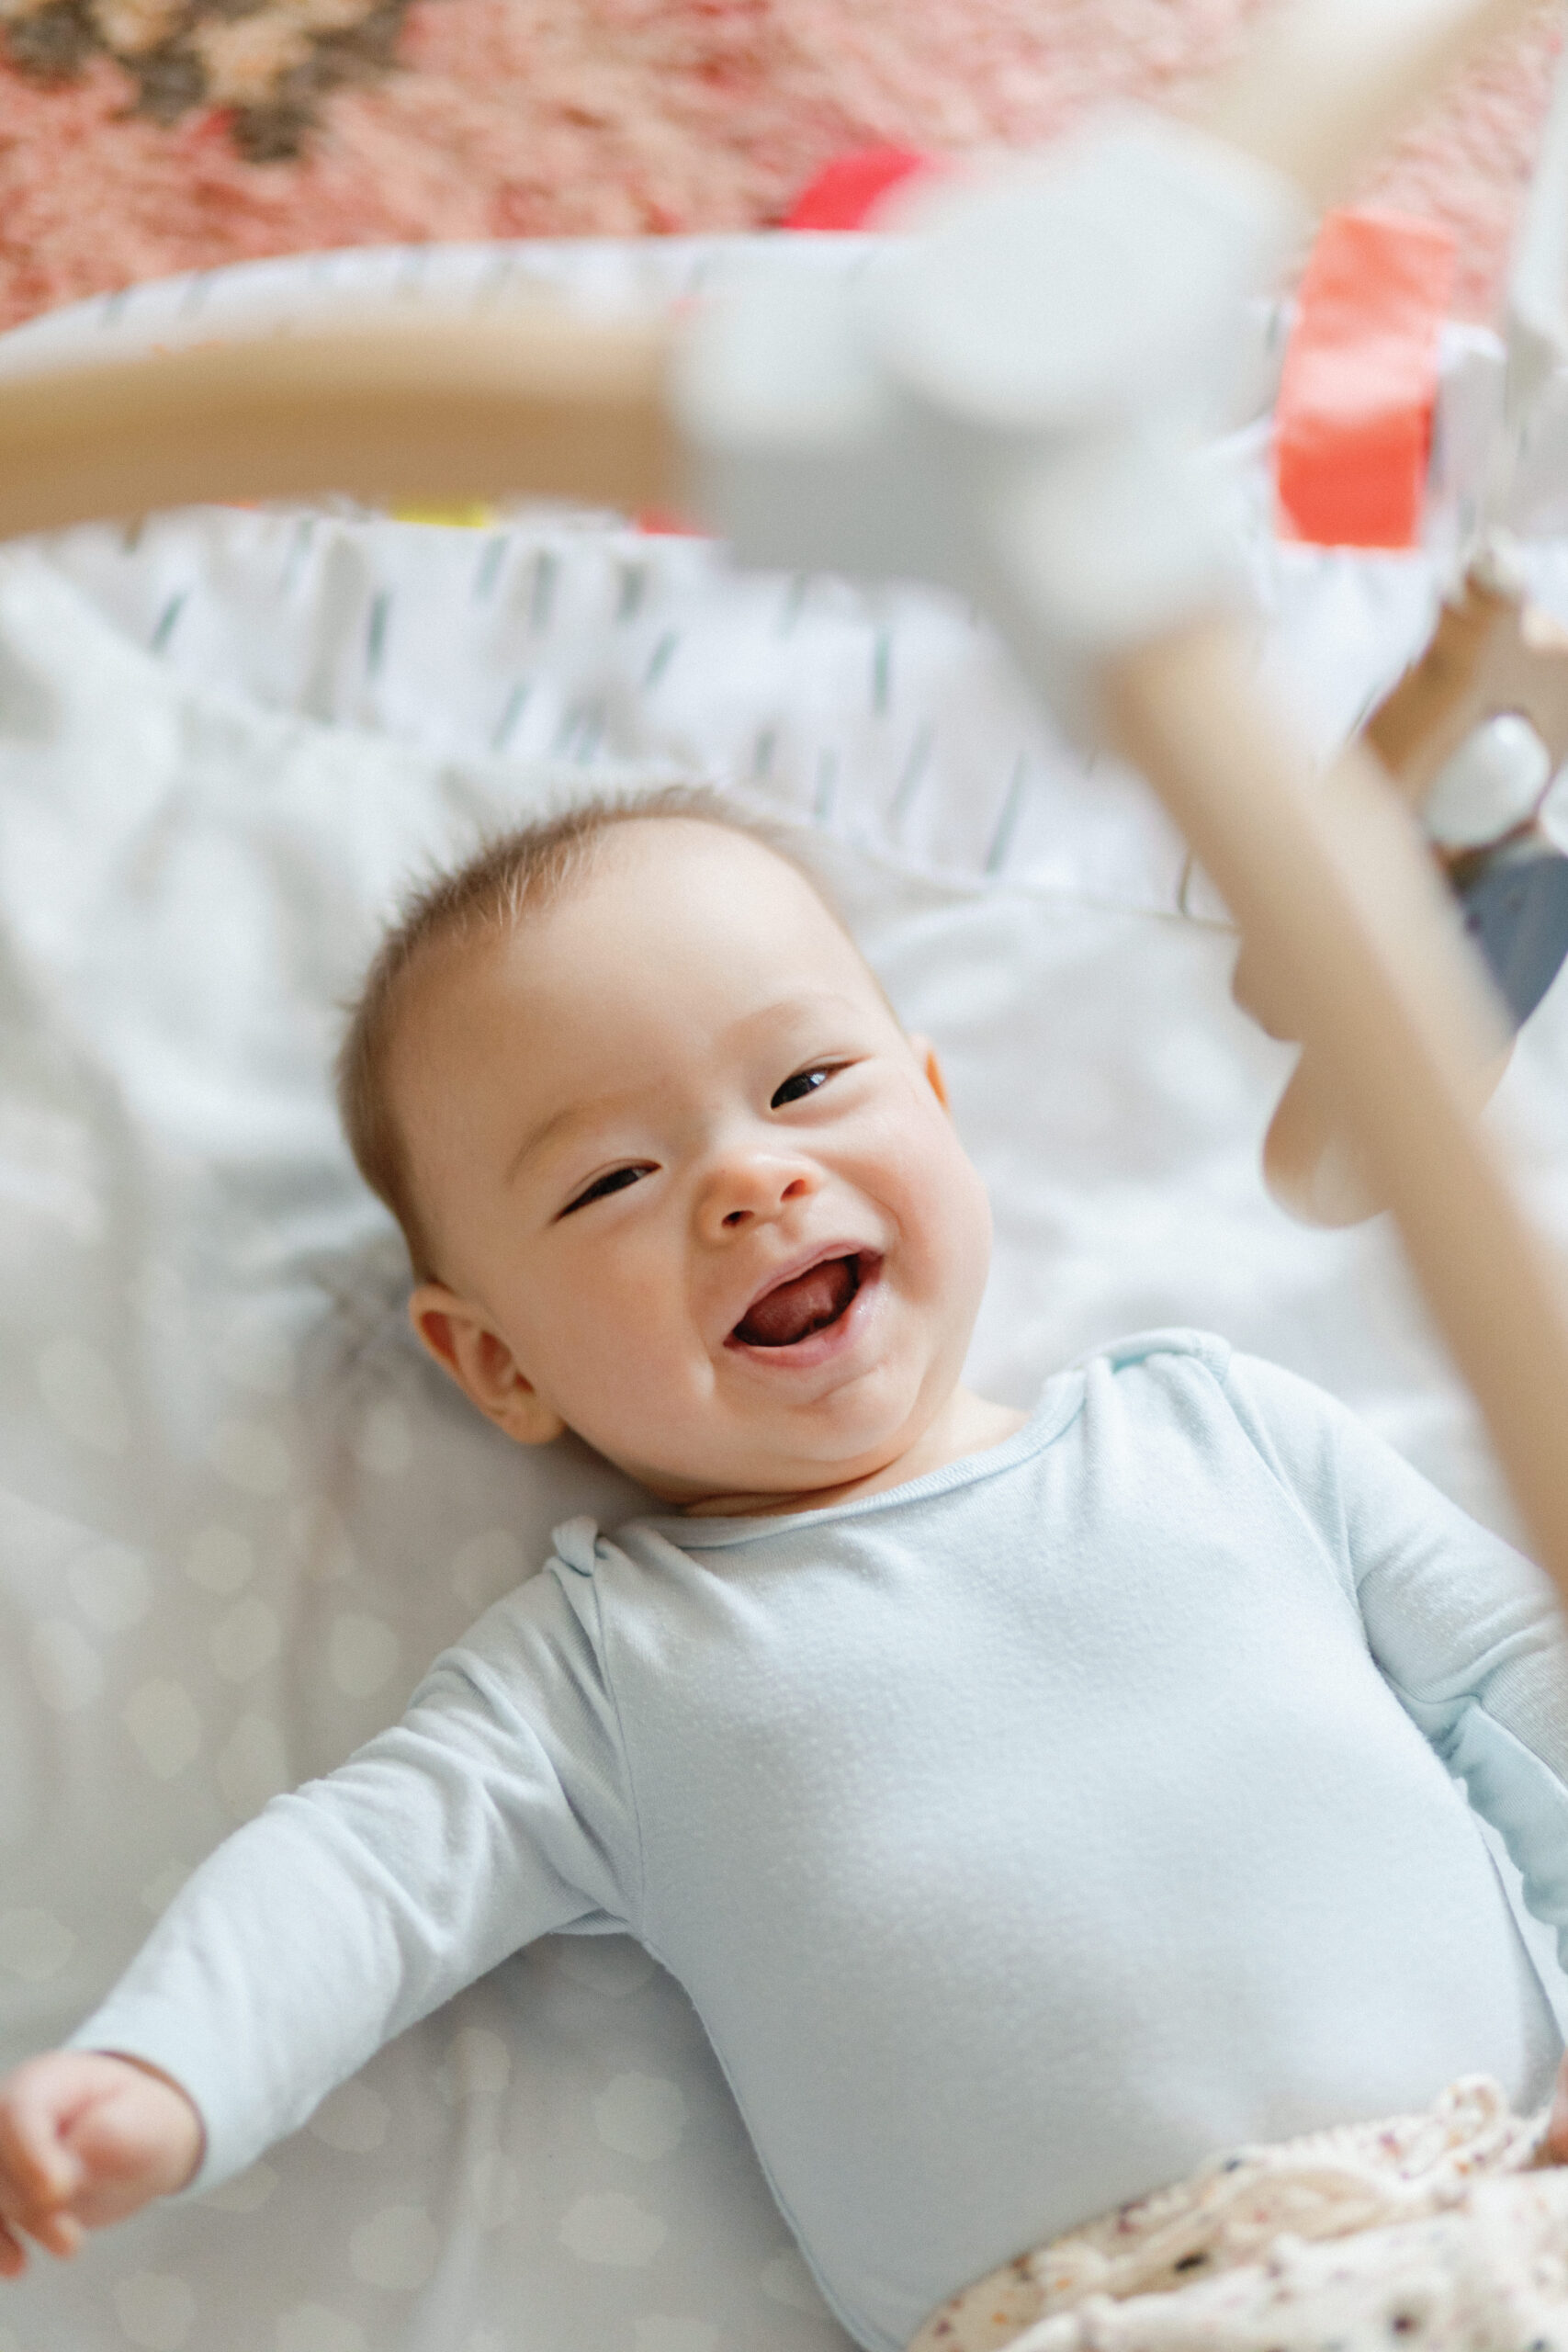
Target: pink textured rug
[[142, 137]]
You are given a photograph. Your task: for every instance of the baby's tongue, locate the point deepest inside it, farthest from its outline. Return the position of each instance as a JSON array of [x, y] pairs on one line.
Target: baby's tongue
[[812, 1300]]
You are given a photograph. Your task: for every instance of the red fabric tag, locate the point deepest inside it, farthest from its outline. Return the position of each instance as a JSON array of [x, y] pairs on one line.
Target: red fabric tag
[[847, 190], [1353, 425], [663, 523]]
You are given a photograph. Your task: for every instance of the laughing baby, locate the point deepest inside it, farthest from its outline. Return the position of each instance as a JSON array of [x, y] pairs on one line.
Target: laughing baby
[[1030, 1804]]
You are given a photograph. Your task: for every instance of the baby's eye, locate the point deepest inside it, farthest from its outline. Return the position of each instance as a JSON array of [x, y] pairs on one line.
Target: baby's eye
[[796, 1089], [615, 1182]]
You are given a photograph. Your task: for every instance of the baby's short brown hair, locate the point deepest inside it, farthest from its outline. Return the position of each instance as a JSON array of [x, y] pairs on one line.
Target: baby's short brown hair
[[517, 873]]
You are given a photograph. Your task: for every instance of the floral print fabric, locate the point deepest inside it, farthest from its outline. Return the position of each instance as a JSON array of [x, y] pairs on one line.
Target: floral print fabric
[[1444, 2230]]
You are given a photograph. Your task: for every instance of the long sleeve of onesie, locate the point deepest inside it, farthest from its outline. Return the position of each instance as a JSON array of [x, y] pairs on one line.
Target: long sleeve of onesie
[[1467, 1632], [496, 1811]]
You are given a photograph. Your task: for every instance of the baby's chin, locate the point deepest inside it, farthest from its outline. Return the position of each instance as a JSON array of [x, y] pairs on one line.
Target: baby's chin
[[765, 1435], [762, 1477]]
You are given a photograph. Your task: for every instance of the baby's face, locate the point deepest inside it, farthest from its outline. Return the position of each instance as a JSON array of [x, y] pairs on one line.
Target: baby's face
[[693, 1194]]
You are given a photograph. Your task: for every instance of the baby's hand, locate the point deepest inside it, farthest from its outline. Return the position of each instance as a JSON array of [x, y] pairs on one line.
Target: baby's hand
[[86, 2139]]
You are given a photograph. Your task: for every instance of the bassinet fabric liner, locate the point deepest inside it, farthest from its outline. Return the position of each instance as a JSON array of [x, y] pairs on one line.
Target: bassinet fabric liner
[[237, 1510]]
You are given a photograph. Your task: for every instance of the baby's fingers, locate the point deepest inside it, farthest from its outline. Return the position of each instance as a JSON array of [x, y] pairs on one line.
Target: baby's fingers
[[61, 2232], [37, 2172], [57, 2232], [52, 2227]]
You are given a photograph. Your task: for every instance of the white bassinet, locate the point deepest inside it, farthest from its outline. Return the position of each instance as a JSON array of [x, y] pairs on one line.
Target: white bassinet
[[238, 1511]]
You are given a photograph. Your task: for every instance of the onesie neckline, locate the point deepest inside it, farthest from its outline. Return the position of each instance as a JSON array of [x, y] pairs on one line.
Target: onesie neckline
[[1060, 1402], [1058, 1405]]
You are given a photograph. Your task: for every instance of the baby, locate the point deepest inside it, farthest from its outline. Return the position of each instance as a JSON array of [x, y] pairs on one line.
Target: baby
[[1032, 1805]]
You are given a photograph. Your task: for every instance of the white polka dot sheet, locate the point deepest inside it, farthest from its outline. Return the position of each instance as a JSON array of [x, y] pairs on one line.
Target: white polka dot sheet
[[237, 1510]]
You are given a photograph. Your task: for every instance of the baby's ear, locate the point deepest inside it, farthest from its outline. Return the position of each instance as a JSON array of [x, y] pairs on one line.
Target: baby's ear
[[925, 1054], [469, 1347]]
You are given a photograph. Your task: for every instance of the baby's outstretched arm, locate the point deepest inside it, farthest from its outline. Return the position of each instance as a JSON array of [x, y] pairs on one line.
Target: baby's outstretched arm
[[86, 2139], [496, 1811]]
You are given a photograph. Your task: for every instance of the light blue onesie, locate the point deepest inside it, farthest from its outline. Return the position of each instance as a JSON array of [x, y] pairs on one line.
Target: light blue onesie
[[1023, 1836]]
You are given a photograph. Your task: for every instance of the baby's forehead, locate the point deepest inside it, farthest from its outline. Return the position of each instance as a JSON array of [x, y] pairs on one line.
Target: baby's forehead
[[698, 856], [650, 899], [657, 909]]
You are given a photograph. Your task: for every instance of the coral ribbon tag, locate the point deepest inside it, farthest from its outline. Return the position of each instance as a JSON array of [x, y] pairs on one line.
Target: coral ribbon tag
[[1353, 424], [848, 189]]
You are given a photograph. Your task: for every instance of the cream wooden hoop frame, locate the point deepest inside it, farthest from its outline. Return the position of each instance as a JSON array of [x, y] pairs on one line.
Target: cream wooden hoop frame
[[537, 404], [1349, 946]]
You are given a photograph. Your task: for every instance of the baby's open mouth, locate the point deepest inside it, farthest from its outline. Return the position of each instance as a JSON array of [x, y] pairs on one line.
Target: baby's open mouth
[[807, 1303]]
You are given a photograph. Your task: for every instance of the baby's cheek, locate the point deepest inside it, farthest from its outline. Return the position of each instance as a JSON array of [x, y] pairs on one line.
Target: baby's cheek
[[952, 1207], [624, 1364], [962, 1250]]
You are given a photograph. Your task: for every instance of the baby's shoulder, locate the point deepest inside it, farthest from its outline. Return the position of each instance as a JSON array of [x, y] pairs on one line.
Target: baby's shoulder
[[1175, 1352], [1204, 1383], [1148, 1376]]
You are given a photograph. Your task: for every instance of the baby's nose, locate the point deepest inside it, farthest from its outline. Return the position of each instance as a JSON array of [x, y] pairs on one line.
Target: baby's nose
[[748, 1187]]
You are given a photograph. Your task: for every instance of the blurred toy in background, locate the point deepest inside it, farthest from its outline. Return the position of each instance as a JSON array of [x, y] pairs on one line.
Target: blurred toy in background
[[1473, 737], [1474, 733]]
